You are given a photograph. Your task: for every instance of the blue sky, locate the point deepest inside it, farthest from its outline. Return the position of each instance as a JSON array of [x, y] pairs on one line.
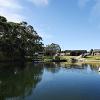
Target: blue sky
[[73, 24]]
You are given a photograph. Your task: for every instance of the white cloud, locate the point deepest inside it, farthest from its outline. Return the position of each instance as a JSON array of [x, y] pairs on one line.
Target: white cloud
[[11, 15], [39, 2], [10, 4], [11, 10]]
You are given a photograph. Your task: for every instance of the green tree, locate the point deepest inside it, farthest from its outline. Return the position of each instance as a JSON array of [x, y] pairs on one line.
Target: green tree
[[91, 51], [52, 49], [18, 40]]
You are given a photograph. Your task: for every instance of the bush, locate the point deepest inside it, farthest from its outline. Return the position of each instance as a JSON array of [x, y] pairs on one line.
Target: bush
[[57, 58]]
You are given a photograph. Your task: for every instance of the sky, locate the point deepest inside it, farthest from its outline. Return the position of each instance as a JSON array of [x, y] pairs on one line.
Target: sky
[[73, 24]]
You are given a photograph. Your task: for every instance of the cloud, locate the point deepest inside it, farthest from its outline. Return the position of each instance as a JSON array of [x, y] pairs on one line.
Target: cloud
[[10, 4], [39, 2], [11, 10], [11, 15]]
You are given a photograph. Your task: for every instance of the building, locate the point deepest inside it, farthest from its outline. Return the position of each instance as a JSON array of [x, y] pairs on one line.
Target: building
[[96, 52]]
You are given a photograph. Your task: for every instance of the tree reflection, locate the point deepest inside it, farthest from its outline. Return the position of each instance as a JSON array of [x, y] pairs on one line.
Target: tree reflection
[[18, 80], [52, 67]]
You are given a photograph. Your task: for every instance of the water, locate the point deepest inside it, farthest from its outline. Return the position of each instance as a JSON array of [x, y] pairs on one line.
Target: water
[[49, 81]]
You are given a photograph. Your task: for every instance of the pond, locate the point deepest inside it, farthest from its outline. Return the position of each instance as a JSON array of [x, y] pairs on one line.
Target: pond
[[51, 81]]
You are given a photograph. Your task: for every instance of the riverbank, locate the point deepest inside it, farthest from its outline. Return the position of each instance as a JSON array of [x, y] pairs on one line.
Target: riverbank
[[88, 59], [69, 59]]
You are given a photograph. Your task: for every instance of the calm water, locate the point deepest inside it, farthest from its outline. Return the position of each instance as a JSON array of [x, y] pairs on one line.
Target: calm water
[[49, 82]]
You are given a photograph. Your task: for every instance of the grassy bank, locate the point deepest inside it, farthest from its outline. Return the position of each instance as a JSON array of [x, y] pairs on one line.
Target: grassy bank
[[67, 57], [87, 59], [47, 58], [92, 58]]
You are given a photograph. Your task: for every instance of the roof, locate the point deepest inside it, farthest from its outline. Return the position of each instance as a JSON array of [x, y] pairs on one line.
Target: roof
[[96, 50]]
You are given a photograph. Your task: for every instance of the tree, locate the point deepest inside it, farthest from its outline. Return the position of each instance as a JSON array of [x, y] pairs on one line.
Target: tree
[[52, 49], [18, 40], [3, 19], [91, 51]]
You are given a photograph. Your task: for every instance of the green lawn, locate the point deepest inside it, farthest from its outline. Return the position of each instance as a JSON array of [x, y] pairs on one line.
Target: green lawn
[[67, 57], [47, 58], [88, 57], [93, 57]]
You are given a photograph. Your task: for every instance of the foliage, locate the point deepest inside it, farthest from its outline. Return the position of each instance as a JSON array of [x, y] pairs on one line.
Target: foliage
[[18, 40], [52, 49], [91, 51], [57, 58], [47, 58]]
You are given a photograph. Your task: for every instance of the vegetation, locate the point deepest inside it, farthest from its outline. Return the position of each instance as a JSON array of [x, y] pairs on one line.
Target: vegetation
[[91, 51], [52, 49], [18, 41], [67, 57], [92, 58], [47, 58]]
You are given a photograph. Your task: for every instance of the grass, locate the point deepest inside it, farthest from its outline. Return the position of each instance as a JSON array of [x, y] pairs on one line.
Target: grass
[[88, 59], [67, 57], [92, 58], [47, 58]]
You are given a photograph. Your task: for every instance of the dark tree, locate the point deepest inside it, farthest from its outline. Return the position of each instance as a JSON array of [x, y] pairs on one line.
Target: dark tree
[[18, 40]]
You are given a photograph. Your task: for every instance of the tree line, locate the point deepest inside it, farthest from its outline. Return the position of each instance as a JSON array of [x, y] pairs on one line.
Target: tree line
[[53, 49]]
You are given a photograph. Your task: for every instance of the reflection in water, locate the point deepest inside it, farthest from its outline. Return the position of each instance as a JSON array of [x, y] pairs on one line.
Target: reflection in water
[[18, 81], [52, 67]]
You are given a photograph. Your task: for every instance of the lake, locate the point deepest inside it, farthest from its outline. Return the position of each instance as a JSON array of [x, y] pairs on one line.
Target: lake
[[49, 81]]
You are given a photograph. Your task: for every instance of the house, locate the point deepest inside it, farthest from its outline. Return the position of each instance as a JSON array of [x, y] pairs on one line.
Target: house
[[96, 52], [62, 54]]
